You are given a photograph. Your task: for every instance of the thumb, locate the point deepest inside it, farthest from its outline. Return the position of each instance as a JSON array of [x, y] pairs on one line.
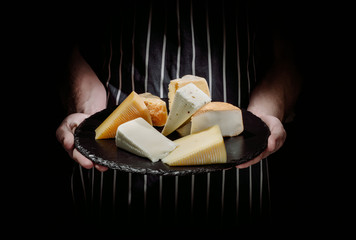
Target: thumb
[[65, 137], [65, 132]]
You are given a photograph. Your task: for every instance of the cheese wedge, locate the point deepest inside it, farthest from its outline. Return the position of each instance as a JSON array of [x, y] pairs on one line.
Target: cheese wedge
[[205, 147], [139, 137], [187, 101], [175, 84], [226, 115], [132, 107], [156, 107], [184, 129]]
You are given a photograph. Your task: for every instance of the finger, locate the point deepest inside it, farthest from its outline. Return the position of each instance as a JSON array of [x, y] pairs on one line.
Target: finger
[[263, 155], [251, 162], [274, 143], [100, 167], [83, 161]]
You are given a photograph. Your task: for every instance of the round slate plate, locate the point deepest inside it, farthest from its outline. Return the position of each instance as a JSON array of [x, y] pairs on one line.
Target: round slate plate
[[240, 149]]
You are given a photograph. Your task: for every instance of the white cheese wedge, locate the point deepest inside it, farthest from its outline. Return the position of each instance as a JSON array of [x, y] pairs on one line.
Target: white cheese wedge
[[175, 84], [187, 100], [227, 116], [205, 147], [139, 137]]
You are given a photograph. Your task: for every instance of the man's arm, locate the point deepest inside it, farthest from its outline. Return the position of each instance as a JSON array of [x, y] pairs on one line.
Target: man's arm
[[278, 91], [274, 97], [87, 96]]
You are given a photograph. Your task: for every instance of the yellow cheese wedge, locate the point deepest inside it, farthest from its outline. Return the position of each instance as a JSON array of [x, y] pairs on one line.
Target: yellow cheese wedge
[[156, 107], [175, 84], [132, 107], [205, 147]]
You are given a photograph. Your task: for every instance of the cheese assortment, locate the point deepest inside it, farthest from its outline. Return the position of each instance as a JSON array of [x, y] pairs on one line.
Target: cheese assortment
[[139, 137], [187, 101], [205, 147], [202, 123], [132, 107]]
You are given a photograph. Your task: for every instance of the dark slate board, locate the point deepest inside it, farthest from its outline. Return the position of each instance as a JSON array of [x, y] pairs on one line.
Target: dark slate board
[[240, 149]]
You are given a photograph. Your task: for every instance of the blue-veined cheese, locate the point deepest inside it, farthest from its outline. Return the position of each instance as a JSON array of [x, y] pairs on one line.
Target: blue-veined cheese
[[139, 137], [205, 147], [186, 102]]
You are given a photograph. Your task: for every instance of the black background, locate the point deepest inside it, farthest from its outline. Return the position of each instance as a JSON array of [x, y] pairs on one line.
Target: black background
[[310, 181]]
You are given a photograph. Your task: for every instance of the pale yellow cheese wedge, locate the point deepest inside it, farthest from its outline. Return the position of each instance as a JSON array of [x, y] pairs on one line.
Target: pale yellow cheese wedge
[[156, 107], [175, 84], [132, 107], [205, 147]]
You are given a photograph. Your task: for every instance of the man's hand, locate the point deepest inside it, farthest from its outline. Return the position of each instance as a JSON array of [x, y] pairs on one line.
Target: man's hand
[[65, 135], [275, 140]]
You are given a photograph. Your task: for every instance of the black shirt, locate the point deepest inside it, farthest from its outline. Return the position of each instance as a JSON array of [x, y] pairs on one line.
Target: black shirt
[[145, 44]]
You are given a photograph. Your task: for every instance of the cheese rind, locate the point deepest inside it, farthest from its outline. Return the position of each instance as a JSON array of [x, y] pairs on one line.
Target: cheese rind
[[156, 107], [139, 137], [227, 116], [132, 107], [175, 84], [205, 147], [187, 101]]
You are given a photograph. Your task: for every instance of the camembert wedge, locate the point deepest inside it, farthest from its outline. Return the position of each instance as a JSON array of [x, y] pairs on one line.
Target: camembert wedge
[[139, 137], [175, 84], [132, 107], [205, 147], [226, 115], [187, 101]]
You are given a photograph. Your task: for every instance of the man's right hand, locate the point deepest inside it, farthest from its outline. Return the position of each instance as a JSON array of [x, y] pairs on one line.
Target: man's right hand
[[65, 135]]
